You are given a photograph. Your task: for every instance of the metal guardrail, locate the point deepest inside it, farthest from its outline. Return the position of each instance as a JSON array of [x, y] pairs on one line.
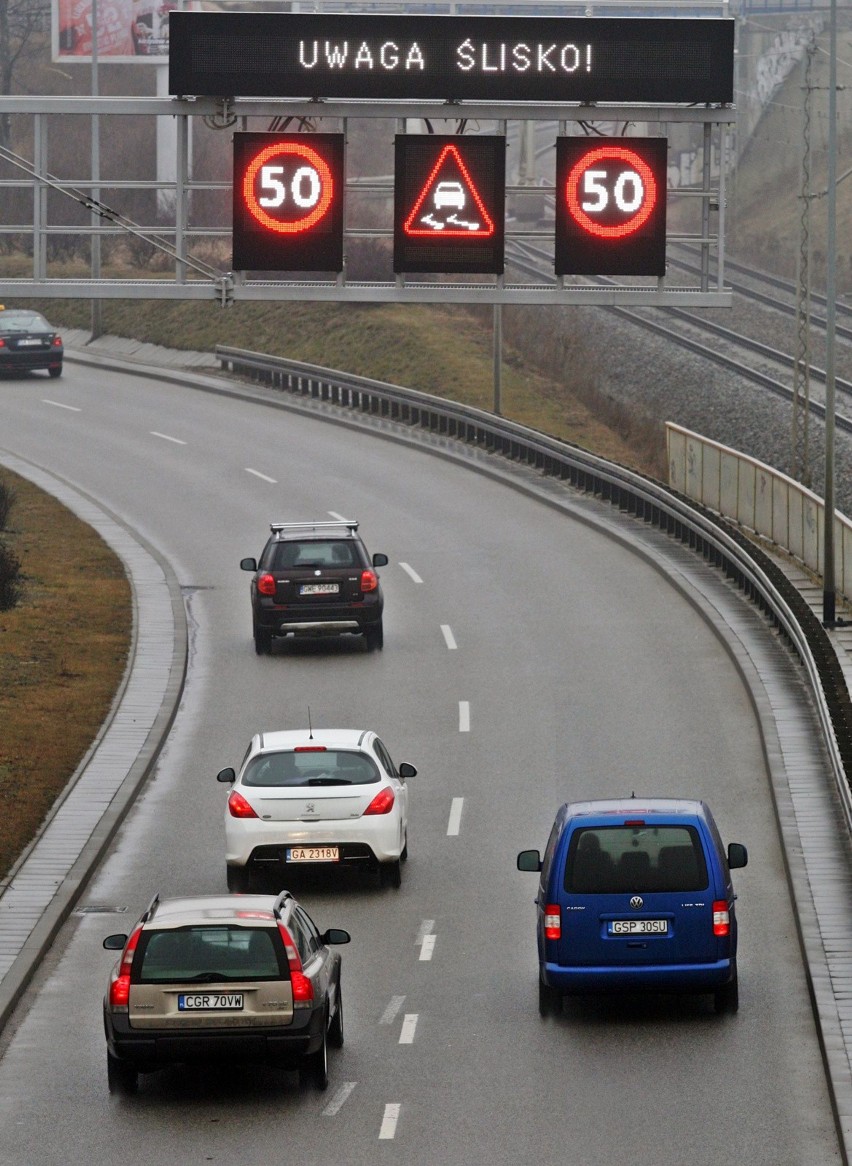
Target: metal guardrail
[[709, 535]]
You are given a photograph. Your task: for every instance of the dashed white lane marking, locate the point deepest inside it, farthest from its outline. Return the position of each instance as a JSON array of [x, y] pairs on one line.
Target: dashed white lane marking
[[427, 947], [340, 1098], [263, 477], [389, 1014], [455, 816], [388, 1129], [167, 437], [409, 1023], [464, 716], [59, 405], [448, 636], [337, 517], [410, 571], [426, 927]]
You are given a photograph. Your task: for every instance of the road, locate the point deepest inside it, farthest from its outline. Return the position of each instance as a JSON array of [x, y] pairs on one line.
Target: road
[[529, 659]]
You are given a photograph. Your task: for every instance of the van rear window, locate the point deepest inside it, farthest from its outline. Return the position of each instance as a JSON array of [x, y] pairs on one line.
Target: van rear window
[[610, 859]]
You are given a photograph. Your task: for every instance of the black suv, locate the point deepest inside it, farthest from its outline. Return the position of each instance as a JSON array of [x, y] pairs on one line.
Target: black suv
[[315, 579]]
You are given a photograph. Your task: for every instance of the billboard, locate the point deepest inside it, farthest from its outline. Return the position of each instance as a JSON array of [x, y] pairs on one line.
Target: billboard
[[127, 30]]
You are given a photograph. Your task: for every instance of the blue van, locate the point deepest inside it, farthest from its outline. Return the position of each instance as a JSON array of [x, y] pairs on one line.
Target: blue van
[[636, 895]]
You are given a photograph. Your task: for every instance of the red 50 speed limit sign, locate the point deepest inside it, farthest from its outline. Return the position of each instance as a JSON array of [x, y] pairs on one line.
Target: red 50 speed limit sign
[[610, 206], [288, 202]]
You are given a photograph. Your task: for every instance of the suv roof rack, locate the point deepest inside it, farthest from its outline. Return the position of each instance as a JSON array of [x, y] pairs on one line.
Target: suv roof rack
[[350, 524]]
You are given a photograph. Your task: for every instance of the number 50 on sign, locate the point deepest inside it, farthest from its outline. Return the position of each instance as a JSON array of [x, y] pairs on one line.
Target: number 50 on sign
[[611, 206], [288, 202]]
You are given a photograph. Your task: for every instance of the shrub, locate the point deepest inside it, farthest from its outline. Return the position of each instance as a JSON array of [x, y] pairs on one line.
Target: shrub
[[10, 578], [7, 501]]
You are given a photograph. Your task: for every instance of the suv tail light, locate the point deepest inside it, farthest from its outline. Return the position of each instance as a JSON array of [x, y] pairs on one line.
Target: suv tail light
[[721, 917], [119, 989], [382, 803], [238, 807], [302, 988], [552, 921], [266, 584], [369, 580]]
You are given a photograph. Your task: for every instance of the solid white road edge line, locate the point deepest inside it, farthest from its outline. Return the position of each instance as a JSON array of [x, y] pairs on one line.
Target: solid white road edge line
[[455, 816]]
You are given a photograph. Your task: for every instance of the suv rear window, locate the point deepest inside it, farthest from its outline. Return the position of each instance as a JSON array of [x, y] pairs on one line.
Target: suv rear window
[[610, 859], [333, 553], [208, 954], [320, 767]]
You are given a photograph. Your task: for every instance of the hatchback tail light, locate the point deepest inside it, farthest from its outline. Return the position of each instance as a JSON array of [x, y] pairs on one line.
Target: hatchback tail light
[[721, 917], [382, 803], [552, 921], [119, 989], [302, 988], [266, 584], [369, 580], [2, 342], [238, 807]]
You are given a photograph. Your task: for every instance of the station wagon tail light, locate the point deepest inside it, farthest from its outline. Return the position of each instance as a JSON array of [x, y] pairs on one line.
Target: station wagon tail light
[[369, 580], [552, 921], [57, 341], [266, 584], [301, 986], [382, 803], [2, 342], [119, 989], [238, 807], [721, 918]]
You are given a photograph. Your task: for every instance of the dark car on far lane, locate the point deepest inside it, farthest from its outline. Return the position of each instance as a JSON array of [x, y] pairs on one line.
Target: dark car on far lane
[[28, 342]]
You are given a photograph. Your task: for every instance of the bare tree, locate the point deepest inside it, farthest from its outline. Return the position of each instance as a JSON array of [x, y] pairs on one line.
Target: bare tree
[[20, 23]]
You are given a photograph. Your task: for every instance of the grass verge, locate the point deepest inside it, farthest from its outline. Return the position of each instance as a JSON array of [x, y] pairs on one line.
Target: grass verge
[[63, 651]]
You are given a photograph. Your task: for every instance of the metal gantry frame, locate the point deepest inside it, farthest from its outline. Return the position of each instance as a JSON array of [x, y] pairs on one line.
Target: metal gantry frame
[[196, 279]]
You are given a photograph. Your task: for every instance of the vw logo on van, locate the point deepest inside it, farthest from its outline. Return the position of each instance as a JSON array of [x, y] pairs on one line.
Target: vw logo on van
[[636, 902]]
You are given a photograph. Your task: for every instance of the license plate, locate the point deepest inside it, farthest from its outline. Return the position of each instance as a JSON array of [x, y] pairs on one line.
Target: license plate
[[638, 927], [319, 589], [30, 343], [313, 854], [210, 1002]]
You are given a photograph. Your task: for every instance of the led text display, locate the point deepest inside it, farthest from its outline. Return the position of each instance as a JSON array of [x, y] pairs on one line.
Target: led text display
[[451, 58]]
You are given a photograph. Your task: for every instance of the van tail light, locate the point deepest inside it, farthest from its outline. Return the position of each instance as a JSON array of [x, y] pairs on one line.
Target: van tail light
[[119, 989], [721, 917], [369, 580], [382, 803], [302, 988], [552, 921], [238, 807], [266, 584]]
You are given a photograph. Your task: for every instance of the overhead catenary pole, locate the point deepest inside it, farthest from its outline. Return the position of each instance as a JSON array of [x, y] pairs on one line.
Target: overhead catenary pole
[[828, 572]]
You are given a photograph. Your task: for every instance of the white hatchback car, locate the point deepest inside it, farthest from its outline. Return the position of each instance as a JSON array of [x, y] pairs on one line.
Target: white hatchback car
[[309, 798]]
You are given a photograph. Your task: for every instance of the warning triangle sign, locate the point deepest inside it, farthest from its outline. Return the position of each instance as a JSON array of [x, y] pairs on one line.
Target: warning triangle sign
[[449, 205]]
